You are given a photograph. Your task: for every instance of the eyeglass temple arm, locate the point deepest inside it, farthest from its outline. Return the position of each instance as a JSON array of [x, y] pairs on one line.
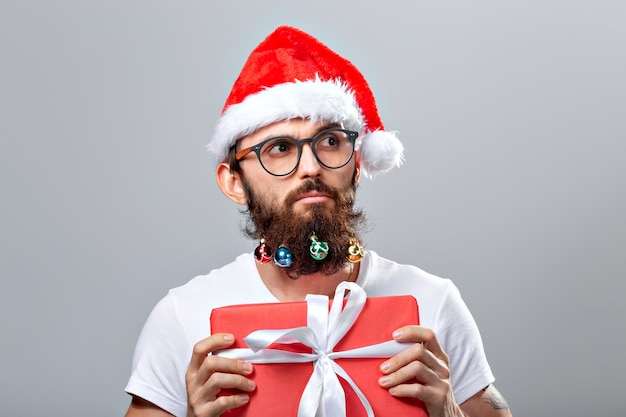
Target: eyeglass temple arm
[[242, 153]]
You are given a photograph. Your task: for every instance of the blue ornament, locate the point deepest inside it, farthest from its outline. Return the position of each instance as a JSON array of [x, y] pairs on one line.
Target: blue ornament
[[282, 257]]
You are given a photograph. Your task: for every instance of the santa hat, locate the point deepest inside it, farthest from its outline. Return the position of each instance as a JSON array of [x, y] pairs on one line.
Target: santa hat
[[293, 75]]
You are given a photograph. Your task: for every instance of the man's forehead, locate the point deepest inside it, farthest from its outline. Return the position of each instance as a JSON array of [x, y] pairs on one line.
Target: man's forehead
[[292, 127]]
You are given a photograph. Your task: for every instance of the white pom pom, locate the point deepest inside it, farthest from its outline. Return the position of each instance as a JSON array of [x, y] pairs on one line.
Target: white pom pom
[[380, 152]]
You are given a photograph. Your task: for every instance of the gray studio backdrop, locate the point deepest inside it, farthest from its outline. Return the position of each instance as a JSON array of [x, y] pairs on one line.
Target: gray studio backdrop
[[513, 118]]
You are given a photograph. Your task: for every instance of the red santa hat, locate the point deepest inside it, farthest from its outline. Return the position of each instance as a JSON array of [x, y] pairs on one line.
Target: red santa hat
[[293, 75]]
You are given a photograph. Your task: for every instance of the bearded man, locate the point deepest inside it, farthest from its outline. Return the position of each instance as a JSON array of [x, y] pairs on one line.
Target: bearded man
[[298, 132]]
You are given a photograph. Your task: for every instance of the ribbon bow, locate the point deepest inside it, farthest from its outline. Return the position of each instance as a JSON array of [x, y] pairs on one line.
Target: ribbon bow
[[323, 331]]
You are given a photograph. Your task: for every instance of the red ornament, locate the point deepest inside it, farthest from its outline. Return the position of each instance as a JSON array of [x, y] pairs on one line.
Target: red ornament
[[262, 254]]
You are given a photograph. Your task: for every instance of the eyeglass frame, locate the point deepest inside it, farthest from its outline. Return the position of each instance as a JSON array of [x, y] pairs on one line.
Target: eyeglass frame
[[352, 136]]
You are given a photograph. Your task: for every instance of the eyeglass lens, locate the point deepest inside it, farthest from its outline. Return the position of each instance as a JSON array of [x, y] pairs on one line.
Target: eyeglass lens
[[280, 155]]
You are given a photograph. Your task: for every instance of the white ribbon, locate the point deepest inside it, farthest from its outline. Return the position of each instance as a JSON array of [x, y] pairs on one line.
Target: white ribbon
[[323, 331]]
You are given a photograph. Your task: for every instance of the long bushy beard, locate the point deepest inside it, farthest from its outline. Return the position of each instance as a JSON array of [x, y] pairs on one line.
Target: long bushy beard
[[279, 225]]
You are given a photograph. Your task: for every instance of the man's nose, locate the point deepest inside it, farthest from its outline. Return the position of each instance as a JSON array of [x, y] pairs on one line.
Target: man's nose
[[309, 165]]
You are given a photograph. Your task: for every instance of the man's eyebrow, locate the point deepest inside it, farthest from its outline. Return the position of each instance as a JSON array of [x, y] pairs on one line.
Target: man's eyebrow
[[326, 126]]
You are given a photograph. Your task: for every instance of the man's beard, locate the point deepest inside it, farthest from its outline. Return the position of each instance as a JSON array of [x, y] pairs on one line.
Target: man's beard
[[279, 225]]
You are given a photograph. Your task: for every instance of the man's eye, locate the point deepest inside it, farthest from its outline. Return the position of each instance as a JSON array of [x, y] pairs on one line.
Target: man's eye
[[279, 147], [329, 141]]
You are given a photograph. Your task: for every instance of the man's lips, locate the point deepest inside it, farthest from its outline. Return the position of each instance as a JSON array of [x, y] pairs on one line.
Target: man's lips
[[313, 197]]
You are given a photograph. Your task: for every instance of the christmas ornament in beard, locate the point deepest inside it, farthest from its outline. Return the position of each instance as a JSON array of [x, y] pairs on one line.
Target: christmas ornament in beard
[[278, 224]]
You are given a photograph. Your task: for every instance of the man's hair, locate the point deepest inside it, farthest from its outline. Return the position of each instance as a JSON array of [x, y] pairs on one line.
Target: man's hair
[[233, 163]]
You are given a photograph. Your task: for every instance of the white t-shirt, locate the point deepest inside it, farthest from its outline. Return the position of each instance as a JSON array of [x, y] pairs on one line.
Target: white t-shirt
[[181, 319]]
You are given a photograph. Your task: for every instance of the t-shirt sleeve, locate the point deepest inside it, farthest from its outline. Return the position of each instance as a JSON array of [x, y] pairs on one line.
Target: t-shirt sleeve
[[161, 358], [460, 338]]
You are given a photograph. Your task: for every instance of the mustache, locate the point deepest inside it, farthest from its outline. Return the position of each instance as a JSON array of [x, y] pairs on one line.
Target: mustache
[[311, 185]]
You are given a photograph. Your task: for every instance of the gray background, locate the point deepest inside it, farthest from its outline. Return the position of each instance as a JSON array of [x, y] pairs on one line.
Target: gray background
[[513, 118]]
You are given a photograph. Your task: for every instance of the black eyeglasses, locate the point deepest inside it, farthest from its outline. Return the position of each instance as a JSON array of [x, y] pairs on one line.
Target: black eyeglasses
[[280, 156]]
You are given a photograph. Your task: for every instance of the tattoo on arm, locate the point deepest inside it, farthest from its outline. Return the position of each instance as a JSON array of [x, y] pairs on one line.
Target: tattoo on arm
[[495, 399]]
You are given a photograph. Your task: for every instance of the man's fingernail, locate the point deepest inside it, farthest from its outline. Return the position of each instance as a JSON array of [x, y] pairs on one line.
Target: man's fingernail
[[228, 337]]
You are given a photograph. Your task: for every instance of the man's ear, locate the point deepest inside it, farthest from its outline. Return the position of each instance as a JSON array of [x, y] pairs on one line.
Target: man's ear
[[231, 184], [357, 173]]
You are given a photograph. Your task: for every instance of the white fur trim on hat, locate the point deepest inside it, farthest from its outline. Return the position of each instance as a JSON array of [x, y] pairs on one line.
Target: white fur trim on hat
[[316, 100]]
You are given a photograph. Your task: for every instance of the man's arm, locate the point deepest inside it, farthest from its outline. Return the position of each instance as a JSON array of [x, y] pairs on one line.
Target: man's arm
[[487, 402], [142, 408]]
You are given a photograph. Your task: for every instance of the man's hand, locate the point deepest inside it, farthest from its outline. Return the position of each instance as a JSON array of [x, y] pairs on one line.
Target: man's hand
[[421, 371], [208, 374]]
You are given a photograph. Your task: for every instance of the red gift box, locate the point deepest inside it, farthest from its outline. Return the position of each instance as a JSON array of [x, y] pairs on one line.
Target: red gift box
[[280, 385]]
